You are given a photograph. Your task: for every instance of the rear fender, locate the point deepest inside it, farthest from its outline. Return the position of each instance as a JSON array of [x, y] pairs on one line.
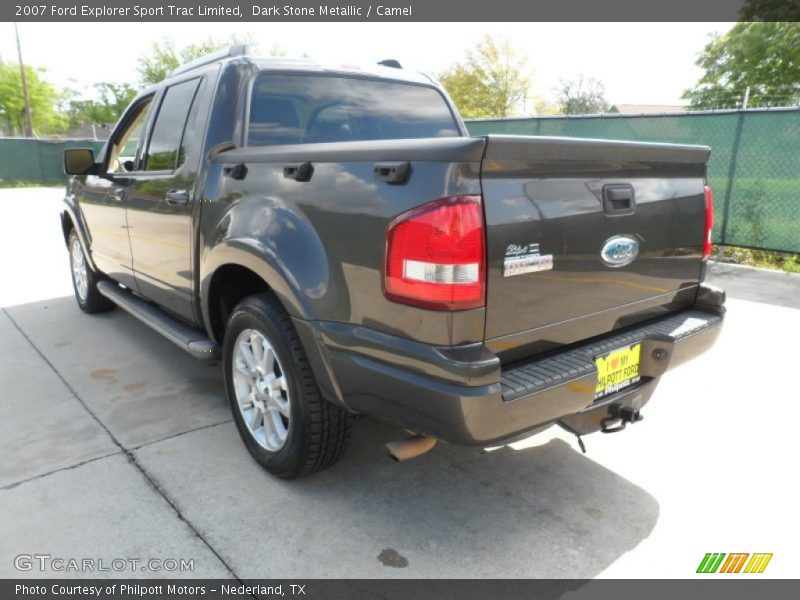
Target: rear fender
[[261, 260], [291, 290]]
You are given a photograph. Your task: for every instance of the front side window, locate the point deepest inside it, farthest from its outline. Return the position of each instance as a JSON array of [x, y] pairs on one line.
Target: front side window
[[302, 109], [166, 151], [123, 151]]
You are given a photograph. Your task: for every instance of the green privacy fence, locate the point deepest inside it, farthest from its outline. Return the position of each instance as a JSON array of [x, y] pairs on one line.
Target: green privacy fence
[[37, 161], [754, 168]]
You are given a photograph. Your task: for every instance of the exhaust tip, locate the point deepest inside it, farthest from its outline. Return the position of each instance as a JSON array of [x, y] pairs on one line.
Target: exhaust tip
[[406, 449]]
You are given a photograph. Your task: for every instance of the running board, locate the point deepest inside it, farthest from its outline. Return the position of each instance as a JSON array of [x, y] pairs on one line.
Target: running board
[[194, 341]]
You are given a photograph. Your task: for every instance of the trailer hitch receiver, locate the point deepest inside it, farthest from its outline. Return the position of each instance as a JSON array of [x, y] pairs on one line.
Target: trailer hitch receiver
[[622, 413]]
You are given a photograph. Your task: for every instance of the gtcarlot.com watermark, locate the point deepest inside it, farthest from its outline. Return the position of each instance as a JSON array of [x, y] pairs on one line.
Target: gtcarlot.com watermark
[[46, 563]]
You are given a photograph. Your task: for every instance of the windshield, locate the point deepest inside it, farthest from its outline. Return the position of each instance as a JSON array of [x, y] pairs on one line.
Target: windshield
[[303, 108]]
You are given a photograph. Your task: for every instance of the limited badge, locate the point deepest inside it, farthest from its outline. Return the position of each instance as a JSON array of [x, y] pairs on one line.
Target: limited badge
[[525, 259]]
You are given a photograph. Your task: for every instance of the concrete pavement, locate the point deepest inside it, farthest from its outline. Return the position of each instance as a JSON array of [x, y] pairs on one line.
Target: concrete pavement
[[115, 444]]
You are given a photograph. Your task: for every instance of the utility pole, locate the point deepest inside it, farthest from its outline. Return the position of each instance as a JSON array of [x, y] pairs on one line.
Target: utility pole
[[746, 98], [26, 111]]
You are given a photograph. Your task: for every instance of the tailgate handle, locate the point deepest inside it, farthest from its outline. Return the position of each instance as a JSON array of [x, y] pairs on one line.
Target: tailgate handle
[[298, 171], [619, 199], [392, 172]]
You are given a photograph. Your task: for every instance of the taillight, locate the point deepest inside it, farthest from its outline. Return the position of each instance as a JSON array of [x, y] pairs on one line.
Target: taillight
[[709, 222], [435, 255]]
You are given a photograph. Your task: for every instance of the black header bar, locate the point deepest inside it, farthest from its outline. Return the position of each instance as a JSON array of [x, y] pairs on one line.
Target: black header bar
[[388, 10], [733, 588]]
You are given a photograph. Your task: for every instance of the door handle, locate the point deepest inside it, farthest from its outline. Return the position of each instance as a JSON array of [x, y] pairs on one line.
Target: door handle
[[298, 171], [392, 172], [177, 197], [117, 194], [619, 199]]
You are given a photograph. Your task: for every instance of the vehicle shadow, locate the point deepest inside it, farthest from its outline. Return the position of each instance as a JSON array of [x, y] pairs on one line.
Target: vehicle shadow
[[545, 511], [542, 512]]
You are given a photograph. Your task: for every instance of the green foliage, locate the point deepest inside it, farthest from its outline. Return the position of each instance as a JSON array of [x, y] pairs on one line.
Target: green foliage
[[43, 97], [21, 183], [762, 56], [582, 96], [763, 259], [164, 57], [112, 99], [770, 10], [491, 82]]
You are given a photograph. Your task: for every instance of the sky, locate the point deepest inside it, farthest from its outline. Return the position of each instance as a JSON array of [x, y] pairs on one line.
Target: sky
[[639, 63]]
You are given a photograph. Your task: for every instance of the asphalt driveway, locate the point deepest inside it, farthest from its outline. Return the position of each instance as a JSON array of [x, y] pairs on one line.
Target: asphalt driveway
[[115, 444]]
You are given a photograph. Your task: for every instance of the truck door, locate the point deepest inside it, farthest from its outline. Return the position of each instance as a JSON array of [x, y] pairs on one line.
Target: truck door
[[102, 200], [160, 198]]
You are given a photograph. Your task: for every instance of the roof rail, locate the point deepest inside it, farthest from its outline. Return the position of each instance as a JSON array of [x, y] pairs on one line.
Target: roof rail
[[207, 59], [390, 62]]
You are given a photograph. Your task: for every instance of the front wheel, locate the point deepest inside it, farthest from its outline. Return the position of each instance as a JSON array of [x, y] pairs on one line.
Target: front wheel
[[84, 279], [284, 421]]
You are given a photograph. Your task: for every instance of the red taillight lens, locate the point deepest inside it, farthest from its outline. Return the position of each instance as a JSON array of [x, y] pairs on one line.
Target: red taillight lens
[[435, 255], [709, 222]]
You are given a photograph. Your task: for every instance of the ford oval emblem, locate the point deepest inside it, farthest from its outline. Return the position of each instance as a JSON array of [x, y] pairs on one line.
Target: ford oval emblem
[[619, 251]]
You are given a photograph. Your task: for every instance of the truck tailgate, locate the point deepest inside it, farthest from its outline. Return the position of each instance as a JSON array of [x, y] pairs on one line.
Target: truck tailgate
[[587, 236]]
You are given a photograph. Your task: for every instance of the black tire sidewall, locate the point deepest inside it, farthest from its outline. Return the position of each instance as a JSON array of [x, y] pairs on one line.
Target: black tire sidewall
[[290, 459]]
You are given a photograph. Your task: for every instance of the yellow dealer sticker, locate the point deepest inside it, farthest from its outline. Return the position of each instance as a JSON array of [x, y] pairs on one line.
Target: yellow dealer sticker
[[617, 370]]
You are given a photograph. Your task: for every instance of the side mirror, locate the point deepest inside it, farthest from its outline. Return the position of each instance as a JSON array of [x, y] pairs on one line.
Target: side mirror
[[79, 161]]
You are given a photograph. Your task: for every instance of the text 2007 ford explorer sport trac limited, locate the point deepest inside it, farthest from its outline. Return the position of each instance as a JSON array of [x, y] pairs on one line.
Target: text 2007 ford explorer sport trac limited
[[339, 240]]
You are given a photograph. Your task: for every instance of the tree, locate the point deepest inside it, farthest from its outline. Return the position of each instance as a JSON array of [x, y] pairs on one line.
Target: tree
[[43, 97], [491, 82], [164, 57], [582, 96], [762, 56], [544, 107], [111, 100], [770, 10]]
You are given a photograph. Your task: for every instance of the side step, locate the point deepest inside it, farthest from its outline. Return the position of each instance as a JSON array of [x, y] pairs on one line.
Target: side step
[[194, 341]]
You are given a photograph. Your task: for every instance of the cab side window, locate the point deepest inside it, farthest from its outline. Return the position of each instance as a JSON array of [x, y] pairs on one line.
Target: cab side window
[[123, 151], [168, 141]]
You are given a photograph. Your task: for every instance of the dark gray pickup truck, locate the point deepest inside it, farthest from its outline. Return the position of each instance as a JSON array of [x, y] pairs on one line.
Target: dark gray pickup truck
[[341, 242]]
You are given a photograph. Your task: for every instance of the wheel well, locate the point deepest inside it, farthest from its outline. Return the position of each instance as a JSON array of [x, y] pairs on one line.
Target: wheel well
[[66, 226], [230, 284]]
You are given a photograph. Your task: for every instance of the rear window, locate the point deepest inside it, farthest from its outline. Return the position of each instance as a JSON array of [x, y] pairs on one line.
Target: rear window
[[166, 150], [303, 109]]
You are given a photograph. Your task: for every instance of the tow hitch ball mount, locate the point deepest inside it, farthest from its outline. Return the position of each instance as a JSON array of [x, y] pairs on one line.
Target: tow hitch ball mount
[[622, 413]]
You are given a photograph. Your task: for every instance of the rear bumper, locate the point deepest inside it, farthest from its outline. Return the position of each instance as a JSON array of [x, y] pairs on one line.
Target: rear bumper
[[463, 395]]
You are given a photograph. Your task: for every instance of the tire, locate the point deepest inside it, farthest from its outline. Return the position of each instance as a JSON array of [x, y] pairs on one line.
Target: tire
[[84, 279], [297, 432]]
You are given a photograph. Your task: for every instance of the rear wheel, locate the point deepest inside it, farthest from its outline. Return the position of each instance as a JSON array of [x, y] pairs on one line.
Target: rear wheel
[[84, 279], [284, 421]]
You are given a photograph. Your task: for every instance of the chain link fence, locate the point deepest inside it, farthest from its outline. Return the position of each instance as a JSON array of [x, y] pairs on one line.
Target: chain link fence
[[754, 168]]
